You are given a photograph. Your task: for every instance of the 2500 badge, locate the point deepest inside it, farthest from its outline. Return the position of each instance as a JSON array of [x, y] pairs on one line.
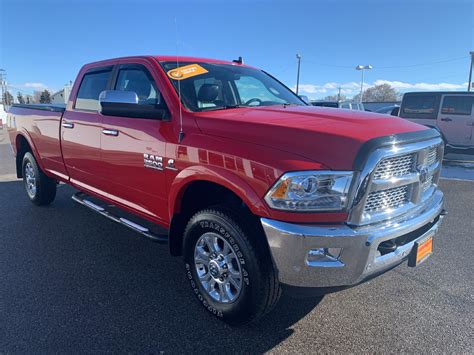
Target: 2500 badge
[[156, 162]]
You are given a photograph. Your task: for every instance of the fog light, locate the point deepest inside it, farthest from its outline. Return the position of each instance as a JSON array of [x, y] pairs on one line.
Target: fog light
[[324, 257]]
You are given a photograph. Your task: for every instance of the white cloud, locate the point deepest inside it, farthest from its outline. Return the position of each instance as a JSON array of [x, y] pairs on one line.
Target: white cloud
[[399, 85], [34, 85], [353, 88]]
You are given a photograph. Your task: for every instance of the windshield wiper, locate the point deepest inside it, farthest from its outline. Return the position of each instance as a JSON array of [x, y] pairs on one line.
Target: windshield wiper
[[220, 107]]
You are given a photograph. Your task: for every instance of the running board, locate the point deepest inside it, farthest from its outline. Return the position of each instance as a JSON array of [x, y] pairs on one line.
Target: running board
[[84, 200]]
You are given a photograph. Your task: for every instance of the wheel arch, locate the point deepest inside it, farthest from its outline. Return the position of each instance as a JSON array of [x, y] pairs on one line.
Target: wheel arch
[[200, 187], [24, 144]]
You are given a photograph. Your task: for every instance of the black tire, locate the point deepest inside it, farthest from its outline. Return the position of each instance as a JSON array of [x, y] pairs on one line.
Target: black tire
[[260, 288], [44, 190]]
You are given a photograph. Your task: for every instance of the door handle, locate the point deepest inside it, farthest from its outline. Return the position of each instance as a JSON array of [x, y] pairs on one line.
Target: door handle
[[68, 125], [446, 119], [110, 132]]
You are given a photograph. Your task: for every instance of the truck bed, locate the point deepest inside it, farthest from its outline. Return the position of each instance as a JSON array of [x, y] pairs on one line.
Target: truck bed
[[41, 125], [43, 107]]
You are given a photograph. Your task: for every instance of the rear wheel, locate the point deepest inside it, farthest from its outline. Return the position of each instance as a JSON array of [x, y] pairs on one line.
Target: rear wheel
[[230, 271], [40, 189]]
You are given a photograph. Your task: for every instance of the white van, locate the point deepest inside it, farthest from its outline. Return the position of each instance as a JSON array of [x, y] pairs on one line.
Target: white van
[[451, 113]]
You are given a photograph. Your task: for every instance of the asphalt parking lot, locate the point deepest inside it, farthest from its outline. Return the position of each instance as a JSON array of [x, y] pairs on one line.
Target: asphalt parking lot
[[72, 281]]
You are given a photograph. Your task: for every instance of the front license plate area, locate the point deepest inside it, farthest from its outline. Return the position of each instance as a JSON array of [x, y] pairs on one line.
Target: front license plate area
[[421, 251]]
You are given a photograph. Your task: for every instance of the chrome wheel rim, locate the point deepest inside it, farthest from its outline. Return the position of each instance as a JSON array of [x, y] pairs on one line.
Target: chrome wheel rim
[[218, 268], [30, 180]]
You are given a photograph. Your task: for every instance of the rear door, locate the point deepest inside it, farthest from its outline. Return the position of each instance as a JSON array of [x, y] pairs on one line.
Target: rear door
[[133, 149], [81, 131], [456, 120]]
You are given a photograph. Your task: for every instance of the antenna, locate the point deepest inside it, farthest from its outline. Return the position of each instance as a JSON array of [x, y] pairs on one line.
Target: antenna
[[239, 60], [181, 132]]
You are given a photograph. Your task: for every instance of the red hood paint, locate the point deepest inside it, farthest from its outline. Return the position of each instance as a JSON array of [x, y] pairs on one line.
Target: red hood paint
[[326, 135]]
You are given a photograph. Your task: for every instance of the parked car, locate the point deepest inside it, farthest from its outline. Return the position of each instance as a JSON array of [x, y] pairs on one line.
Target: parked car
[[252, 187], [449, 112], [341, 104], [389, 110]]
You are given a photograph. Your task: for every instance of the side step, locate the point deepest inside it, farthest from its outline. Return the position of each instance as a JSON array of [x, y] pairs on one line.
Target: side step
[[106, 211]]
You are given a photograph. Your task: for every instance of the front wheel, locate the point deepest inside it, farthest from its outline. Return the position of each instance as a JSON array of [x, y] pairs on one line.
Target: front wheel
[[40, 189], [230, 271]]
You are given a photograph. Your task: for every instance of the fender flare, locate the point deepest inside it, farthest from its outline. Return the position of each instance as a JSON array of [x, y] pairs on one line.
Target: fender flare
[[24, 134], [218, 176]]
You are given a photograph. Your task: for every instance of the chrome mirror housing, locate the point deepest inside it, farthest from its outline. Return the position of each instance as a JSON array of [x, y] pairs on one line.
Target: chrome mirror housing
[[118, 97]]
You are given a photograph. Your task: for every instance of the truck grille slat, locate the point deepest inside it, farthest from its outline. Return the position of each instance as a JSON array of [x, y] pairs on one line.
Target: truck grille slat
[[394, 166], [432, 156], [391, 198]]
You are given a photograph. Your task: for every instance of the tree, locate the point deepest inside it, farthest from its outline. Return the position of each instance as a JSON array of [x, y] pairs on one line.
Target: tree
[[45, 97], [21, 99], [7, 98], [379, 93], [335, 98]]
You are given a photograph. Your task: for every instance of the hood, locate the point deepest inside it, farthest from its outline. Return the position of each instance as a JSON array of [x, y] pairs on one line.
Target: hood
[[325, 135]]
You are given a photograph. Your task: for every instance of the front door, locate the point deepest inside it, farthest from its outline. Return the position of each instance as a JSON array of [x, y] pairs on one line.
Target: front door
[[81, 131], [456, 120], [133, 149]]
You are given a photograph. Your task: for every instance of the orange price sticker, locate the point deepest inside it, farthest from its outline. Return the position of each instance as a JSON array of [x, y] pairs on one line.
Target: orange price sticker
[[187, 71]]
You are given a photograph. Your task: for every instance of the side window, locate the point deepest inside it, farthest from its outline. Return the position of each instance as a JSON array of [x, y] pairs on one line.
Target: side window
[[206, 90], [139, 81], [346, 106], [420, 104], [457, 105], [251, 88], [91, 86]]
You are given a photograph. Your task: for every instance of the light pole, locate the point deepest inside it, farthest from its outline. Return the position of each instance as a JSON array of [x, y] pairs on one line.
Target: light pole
[[469, 83], [298, 73], [362, 68]]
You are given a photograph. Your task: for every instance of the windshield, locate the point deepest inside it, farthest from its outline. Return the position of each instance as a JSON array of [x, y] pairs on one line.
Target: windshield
[[208, 86]]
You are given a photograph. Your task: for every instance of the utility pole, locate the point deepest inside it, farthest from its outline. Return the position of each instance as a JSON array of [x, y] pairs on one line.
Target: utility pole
[[339, 95], [469, 83], [298, 74]]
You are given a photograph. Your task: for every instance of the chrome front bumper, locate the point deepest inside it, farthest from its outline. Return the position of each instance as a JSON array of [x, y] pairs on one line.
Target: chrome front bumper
[[340, 255]]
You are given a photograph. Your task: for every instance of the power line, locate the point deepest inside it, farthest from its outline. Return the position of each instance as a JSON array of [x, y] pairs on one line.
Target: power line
[[391, 66], [423, 64]]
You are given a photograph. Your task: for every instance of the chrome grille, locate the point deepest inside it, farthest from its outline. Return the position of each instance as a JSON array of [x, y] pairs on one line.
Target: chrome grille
[[386, 199], [394, 166], [427, 184], [432, 156], [396, 180]]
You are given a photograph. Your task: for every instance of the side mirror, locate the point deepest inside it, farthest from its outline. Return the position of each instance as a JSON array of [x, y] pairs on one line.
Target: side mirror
[[126, 104], [305, 99]]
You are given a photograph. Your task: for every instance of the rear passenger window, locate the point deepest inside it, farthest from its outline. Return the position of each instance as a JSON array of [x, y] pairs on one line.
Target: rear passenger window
[[91, 86], [420, 104], [457, 105]]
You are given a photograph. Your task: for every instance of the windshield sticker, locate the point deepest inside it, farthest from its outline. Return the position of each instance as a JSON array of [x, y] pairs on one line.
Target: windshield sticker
[[187, 71]]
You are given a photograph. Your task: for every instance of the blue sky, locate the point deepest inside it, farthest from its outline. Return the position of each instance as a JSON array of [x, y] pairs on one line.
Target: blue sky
[[414, 45]]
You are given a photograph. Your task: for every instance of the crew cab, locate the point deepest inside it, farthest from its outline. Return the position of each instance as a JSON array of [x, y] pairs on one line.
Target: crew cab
[[255, 189]]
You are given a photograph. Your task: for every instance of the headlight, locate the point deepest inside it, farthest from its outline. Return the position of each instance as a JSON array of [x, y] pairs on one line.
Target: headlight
[[310, 191]]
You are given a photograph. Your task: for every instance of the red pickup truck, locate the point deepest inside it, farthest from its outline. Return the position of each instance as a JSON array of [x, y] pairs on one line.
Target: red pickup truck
[[257, 190]]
